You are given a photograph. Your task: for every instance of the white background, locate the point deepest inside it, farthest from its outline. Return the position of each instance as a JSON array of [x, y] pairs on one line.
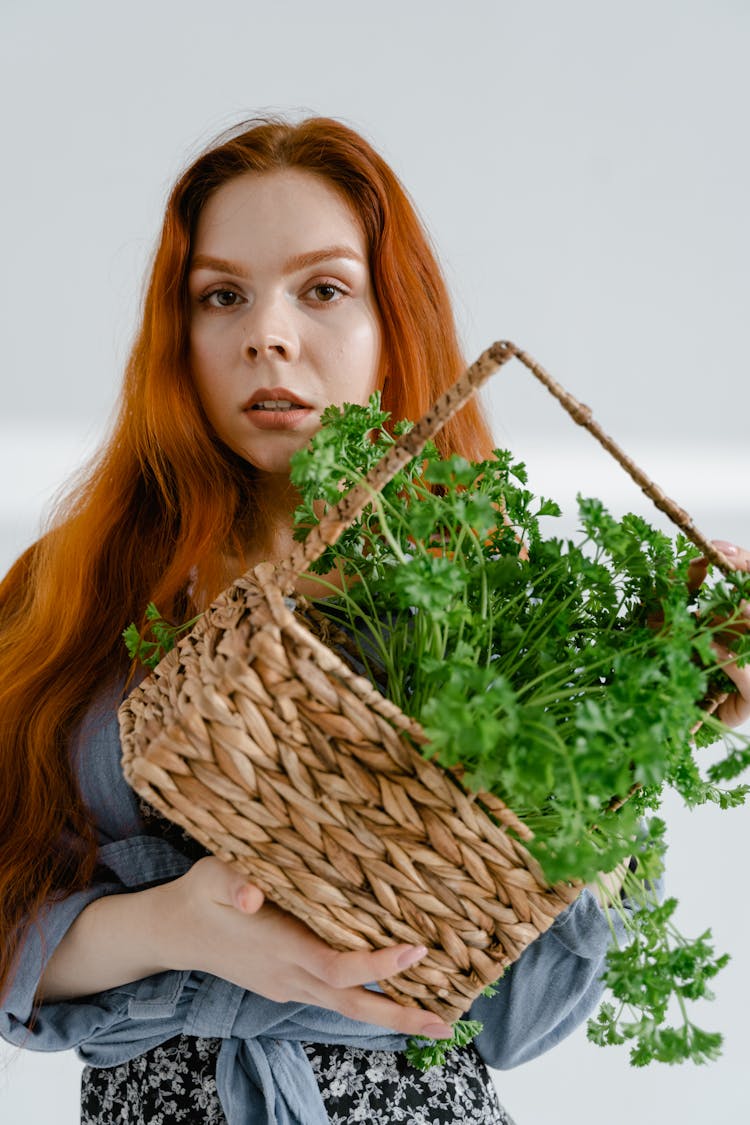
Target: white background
[[583, 169]]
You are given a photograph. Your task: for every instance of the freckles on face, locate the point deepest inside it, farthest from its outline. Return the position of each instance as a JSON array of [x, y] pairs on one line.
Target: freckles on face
[[283, 316]]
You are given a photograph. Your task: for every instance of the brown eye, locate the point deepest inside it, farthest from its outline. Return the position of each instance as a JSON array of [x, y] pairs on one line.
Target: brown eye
[[326, 293], [221, 298], [225, 297]]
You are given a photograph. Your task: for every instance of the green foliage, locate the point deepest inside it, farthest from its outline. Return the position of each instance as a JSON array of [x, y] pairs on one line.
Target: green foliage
[[559, 680], [658, 966], [165, 635], [425, 1053]]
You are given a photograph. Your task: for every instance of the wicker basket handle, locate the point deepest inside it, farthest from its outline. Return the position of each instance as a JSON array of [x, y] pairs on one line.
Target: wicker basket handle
[[410, 444]]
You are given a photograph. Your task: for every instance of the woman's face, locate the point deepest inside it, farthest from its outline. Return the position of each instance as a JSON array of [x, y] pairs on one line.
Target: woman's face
[[283, 318]]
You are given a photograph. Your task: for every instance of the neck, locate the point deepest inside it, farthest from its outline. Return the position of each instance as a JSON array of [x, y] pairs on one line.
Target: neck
[[276, 498]]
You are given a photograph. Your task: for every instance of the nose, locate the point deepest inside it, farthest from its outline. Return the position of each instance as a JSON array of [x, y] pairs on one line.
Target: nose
[[269, 331]]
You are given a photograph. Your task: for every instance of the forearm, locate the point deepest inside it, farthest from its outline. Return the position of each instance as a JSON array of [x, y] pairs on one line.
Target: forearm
[[115, 940], [552, 987], [212, 920]]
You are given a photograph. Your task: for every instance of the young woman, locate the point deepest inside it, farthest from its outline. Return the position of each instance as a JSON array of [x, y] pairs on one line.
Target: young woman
[[291, 273]]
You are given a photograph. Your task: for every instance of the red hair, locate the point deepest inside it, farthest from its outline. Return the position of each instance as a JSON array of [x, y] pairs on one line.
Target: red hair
[[164, 495]]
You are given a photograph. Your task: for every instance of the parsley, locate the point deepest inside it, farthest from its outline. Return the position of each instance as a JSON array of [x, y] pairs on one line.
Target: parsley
[[426, 1053], [558, 681], [165, 635], [565, 676]]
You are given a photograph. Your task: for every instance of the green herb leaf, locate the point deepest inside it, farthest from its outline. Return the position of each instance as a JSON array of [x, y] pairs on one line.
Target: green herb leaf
[[426, 1053]]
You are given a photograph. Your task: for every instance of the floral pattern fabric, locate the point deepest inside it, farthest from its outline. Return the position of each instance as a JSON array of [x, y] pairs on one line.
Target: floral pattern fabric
[[177, 1083], [171, 1083], [382, 1088]]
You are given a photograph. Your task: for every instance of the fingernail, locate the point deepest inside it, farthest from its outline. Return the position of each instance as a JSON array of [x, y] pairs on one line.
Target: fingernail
[[438, 1031], [410, 956], [725, 548]]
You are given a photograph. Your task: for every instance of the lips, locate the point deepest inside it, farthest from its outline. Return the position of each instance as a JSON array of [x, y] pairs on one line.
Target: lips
[[276, 408], [276, 400]]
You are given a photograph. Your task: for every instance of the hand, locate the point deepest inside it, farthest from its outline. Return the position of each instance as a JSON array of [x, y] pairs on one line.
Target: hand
[[607, 886], [734, 708], [216, 921]]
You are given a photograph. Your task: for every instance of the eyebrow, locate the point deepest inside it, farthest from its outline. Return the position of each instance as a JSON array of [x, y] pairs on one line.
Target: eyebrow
[[291, 265]]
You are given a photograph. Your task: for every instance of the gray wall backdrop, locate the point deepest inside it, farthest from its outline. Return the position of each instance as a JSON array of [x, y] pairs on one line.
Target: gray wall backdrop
[[583, 169]]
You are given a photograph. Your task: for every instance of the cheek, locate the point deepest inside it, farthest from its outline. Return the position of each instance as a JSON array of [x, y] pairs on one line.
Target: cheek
[[206, 386], [206, 361], [205, 351], [359, 359]]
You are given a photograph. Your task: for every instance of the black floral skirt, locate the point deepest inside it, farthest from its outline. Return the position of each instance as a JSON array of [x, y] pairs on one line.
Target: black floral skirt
[[177, 1082]]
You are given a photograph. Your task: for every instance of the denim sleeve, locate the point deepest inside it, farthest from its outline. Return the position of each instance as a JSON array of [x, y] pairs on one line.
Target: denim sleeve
[[550, 990], [41, 940], [124, 865], [127, 859]]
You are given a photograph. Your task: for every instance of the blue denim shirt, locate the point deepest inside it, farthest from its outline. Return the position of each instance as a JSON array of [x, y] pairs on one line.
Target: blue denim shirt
[[263, 1074]]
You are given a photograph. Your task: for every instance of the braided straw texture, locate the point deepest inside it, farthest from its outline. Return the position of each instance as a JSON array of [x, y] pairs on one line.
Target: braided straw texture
[[260, 741], [264, 745]]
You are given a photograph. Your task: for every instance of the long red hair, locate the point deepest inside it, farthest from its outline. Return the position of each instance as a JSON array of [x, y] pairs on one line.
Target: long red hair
[[164, 495]]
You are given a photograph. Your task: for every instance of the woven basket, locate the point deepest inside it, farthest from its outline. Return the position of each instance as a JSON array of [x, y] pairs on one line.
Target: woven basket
[[256, 737]]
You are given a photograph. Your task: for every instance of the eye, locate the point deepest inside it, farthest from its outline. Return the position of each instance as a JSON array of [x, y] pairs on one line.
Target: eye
[[326, 293], [221, 298]]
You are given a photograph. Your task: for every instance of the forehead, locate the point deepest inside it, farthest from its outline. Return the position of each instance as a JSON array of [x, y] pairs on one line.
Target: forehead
[[257, 210]]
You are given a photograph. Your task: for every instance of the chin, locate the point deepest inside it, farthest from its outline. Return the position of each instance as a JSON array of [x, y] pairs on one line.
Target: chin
[[273, 465], [270, 457]]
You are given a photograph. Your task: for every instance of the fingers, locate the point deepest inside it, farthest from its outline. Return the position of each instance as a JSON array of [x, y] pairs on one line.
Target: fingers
[[373, 1007], [325, 989], [696, 575], [735, 708], [227, 886], [738, 557], [248, 898], [339, 974], [300, 966], [344, 970], [317, 974], [608, 884]]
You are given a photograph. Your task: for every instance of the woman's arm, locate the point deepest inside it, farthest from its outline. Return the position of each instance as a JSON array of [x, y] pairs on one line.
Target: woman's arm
[[212, 920], [548, 992], [113, 941]]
